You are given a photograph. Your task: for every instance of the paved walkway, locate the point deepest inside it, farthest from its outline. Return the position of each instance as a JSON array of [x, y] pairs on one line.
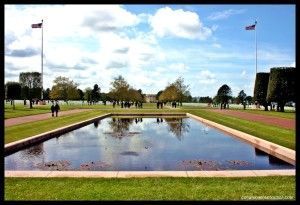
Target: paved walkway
[[34, 118], [272, 120]]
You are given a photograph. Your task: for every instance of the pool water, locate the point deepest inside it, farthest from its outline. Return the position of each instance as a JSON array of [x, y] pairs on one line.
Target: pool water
[[132, 144]]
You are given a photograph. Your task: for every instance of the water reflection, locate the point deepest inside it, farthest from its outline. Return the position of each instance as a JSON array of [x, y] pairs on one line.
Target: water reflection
[[178, 126], [120, 127], [96, 124], [259, 152], [120, 124], [159, 120], [275, 161], [130, 143], [34, 151]]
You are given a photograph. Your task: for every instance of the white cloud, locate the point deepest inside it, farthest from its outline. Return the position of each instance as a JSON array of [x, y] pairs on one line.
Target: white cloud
[[178, 68], [216, 45], [214, 27], [178, 23], [80, 45], [224, 14], [206, 77], [243, 74], [107, 17]]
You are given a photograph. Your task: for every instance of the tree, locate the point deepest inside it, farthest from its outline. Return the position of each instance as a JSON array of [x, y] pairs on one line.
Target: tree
[[46, 94], [158, 94], [142, 99], [13, 91], [206, 99], [95, 93], [249, 100], [31, 85], [64, 89], [119, 90], [81, 95], [261, 88], [281, 87], [171, 93], [223, 95], [182, 89], [104, 97], [188, 98], [241, 98], [135, 95], [88, 95]]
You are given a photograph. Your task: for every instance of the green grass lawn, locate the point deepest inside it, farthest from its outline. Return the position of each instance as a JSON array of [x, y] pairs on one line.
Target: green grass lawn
[[21, 110], [281, 136], [165, 188]]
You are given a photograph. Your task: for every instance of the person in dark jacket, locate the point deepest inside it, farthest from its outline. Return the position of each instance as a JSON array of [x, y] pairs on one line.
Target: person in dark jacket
[[57, 108], [52, 109]]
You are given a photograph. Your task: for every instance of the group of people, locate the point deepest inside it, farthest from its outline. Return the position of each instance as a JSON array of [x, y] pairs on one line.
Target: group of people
[[127, 104], [174, 104], [159, 120], [159, 104], [55, 108]]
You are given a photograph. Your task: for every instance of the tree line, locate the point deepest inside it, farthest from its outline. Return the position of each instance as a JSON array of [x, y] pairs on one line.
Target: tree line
[[29, 88], [278, 86]]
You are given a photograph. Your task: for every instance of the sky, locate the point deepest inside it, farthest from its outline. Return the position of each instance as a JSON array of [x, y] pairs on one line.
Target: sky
[[150, 45]]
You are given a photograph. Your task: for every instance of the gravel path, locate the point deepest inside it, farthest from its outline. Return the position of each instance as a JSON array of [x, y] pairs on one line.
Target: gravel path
[[281, 122], [34, 118]]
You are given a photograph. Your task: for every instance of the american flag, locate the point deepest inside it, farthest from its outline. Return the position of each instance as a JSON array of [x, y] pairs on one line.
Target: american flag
[[37, 25], [252, 27]]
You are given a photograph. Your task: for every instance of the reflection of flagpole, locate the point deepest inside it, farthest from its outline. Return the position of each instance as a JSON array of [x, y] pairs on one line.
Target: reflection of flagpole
[[42, 62]]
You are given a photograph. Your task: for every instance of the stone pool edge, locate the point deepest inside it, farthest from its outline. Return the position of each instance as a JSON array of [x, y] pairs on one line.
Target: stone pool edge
[[271, 148], [129, 174]]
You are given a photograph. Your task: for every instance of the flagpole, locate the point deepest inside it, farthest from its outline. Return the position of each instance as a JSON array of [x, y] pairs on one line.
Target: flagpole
[[255, 49], [42, 61]]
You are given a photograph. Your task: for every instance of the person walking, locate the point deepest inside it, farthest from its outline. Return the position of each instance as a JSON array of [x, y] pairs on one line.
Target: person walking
[[52, 109], [57, 108]]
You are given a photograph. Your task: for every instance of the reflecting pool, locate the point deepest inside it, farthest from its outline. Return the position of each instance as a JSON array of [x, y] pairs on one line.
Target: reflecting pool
[[148, 143]]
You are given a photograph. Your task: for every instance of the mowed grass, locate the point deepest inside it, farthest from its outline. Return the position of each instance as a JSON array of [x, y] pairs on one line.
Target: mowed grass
[[21, 110], [165, 188], [281, 136]]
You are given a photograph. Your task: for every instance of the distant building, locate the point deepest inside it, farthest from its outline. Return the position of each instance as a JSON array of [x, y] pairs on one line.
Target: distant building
[[150, 98]]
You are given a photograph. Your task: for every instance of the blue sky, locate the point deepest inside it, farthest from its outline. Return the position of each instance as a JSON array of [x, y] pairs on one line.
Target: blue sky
[[150, 45]]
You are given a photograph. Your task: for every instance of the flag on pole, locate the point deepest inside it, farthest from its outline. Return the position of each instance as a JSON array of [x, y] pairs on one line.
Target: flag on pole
[[37, 25], [252, 27]]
